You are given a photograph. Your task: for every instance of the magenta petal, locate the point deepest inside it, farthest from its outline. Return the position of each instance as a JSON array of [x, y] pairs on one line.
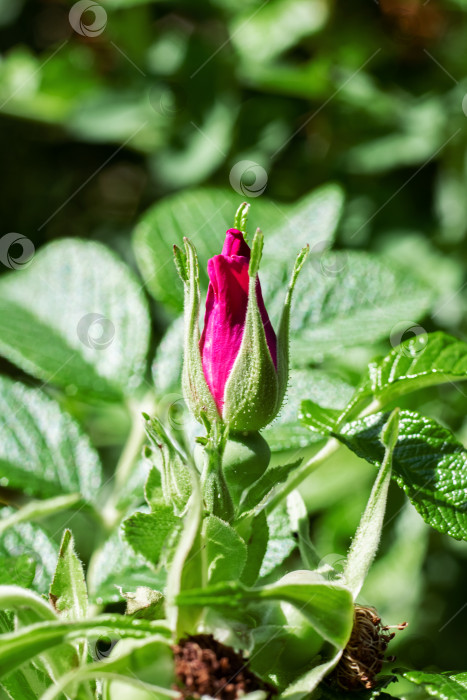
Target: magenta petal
[[226, 307], [235, 244], [224, 321]]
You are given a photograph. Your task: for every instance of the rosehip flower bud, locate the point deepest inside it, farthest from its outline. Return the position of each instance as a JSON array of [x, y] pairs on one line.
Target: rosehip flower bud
[[238, 372], [224, 324]]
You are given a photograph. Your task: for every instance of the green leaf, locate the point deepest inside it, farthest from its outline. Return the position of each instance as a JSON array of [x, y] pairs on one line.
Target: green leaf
[[285, 22], [226, 552], [317, 418], [168, 361], [428, 464], [366, 541], [27, 684], [98, 347], [18, 571], [148, 533], [305, 685], [22, 644], [16, 598], [323, 388], [328, 607], [35, 510], [256, 540], [445, 686], [129, 671], [312, 221], [203, 148], [69, 598], [352, 298], [425, 360], [153, 489], [300, 523], [142, 670], [43, 450], [253, 498], [204, 216], [116, 566], [68, 593], [27, 550], [281, 542]]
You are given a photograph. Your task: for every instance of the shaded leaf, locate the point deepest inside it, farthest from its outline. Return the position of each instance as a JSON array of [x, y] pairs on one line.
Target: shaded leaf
[[320, 386], [202, 215], [348, 299], [116, 565], [175, 474], [98, 347], [28, 551]]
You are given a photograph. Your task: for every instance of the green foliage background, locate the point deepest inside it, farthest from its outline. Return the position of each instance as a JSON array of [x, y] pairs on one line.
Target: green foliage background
[[170, 96]]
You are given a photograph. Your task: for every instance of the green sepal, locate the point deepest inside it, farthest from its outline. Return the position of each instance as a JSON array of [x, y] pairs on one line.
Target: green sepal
[[241, 217], [284, 327], [251, 391], [195, 388]]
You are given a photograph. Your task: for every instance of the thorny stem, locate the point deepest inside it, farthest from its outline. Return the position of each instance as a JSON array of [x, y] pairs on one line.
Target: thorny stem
[[306, 469]]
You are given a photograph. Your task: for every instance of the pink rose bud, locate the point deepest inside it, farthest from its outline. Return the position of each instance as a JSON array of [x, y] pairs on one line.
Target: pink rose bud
[[226, 307], [236, 373]]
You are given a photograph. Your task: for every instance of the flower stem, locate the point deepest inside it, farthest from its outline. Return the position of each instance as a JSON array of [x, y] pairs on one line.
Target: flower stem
[[306, 469], [301, 474]]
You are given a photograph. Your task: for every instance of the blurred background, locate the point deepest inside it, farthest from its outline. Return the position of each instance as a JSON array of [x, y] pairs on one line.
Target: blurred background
[[106, 108]]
